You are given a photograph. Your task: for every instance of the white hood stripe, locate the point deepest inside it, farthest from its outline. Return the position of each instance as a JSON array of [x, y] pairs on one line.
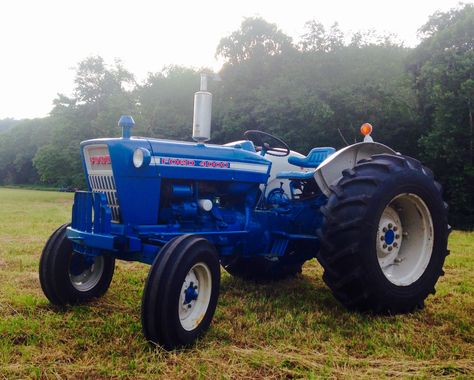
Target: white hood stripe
[[208, 164]]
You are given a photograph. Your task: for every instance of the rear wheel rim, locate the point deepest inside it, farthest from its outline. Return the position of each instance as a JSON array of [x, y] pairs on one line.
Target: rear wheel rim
[[85, 271], [405, 239], [195, 296]]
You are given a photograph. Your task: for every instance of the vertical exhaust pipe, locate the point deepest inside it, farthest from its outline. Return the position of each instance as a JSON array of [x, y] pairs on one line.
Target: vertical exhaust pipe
[[202, 113], [203, 110]]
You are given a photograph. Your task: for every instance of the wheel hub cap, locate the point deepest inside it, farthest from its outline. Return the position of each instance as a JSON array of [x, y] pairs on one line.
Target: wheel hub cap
[[85, 271], [404, 239], [190, 294], [194, 296], [389, 237]]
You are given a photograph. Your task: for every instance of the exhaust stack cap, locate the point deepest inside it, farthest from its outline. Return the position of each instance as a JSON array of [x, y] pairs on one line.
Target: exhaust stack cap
[[126, 122]]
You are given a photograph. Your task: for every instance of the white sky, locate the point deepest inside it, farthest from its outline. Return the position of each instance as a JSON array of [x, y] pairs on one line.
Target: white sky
[[41, 41]]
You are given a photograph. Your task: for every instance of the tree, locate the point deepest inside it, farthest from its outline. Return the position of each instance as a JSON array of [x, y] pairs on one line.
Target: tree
[[17, 149], [96, 82], [166, 103], [255, 39], [7, 124], [101, 95], [317, 39], [443, 71], [308, 97]]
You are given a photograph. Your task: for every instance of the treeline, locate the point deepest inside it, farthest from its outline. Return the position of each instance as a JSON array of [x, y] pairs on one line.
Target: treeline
[[313, 92]]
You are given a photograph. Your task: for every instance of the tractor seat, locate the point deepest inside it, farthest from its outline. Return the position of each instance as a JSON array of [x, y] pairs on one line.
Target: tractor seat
[[313, 159], [294, 175]]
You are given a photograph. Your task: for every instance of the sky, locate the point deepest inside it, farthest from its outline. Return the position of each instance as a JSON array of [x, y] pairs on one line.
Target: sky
[[41, 41]]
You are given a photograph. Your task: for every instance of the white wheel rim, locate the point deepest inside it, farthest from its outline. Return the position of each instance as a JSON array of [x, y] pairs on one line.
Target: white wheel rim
[[193, 304], [405, 239], [89, 277]]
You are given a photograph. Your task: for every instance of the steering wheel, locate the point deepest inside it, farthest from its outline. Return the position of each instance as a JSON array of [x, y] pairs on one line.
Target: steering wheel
[[268, 144]]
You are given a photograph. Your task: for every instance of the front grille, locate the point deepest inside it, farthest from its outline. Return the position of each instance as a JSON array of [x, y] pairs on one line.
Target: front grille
[[105, 183], [100, 174]]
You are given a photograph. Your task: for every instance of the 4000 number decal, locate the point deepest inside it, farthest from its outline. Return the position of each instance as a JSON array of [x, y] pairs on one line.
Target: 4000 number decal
[[171, 161]]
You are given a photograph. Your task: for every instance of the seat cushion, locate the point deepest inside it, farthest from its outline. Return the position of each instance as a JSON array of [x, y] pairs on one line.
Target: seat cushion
[[313, 159]]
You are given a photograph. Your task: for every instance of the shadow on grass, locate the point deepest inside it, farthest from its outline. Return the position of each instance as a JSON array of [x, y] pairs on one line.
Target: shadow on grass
[[302, 292]]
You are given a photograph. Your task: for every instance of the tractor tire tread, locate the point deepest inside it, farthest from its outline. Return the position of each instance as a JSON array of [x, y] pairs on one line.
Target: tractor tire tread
[[45, 263], [342, 274], [160, 325], [53, 265]]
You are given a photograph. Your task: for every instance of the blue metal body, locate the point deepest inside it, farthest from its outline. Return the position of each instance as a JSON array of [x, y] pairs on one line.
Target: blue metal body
[[130, 212]]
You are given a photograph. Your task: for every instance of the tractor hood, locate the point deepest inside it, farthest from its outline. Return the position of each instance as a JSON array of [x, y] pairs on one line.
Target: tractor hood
[[235, 161], [109, 167]]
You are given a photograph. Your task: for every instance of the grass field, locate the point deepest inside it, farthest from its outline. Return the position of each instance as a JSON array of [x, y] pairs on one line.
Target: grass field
[[291, 329]]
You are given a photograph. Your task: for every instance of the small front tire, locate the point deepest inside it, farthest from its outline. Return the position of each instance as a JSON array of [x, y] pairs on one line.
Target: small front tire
[[181, 292], [68, 277]]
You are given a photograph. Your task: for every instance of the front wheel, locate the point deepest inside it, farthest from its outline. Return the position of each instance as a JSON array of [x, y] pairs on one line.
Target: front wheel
[[181, 292], [384, 236], [68, 277]]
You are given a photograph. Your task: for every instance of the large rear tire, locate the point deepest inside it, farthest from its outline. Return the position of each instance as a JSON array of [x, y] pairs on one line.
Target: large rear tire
[[384, 236], [181, 292], [68, 277]]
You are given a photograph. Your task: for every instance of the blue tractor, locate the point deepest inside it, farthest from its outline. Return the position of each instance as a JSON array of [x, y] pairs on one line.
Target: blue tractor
[[373, 218]]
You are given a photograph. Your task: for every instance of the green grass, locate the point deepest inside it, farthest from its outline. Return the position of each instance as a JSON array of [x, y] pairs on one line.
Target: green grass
[[291, 329]]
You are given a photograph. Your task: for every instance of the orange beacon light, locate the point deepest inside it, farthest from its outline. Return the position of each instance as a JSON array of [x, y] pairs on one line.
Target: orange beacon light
[[366, 130]]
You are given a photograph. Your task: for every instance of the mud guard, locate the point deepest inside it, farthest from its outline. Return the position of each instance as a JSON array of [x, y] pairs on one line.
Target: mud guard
[[330, 170]]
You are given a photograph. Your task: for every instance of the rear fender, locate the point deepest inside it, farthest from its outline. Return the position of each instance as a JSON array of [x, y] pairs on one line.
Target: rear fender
[[330, 170]]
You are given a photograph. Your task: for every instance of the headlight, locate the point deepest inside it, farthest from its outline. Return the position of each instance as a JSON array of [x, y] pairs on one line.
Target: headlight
[[141, 157]]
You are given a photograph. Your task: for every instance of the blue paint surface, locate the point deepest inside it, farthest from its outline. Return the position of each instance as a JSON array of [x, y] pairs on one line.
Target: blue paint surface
[[161, 200], [389, 237]]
